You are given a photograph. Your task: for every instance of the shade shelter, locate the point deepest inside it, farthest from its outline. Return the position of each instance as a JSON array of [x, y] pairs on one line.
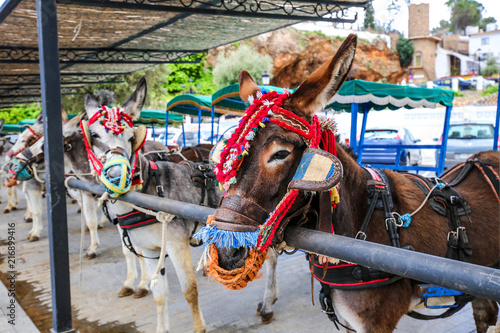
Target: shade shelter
[[358, 96]]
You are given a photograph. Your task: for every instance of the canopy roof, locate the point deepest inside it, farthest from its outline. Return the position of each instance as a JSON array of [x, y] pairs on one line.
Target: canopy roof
[[190, 104], [228, 98], [380, 96], [101, 40], [157, 118]]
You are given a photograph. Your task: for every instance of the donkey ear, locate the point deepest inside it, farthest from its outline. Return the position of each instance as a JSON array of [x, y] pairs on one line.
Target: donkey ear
[[73, 125], [39, 119], [133, 105], [64, 116], [91, 105], [248, 87], [315, 92]]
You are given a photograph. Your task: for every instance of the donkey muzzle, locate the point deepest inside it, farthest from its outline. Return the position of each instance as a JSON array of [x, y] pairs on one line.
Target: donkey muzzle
[[236, 213]]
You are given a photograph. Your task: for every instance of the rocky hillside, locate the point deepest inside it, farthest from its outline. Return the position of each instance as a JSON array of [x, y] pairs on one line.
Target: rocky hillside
[[297, 54]]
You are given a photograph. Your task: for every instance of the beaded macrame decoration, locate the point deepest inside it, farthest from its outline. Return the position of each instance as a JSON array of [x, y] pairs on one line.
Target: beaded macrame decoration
[[114, 120], [265, 108]]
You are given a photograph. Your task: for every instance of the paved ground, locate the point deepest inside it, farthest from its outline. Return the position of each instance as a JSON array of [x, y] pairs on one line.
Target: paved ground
[[96, 308]]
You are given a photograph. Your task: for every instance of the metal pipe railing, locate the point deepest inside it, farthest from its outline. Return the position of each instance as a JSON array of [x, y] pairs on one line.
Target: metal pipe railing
[[472, 279]]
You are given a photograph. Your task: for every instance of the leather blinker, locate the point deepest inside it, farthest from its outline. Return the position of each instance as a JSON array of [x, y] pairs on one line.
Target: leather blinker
[[318, 171]]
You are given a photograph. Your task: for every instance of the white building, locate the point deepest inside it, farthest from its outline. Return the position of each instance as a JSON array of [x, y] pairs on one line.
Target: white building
[[448, 61], [483, 44]]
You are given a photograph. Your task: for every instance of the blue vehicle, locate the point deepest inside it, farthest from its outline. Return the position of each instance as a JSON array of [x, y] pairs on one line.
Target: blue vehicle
[[390, 136], [462, 83]]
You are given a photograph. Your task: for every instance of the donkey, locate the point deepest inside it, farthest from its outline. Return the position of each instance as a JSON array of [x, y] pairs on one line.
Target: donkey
[[175, 182], [11, 191], [262, 179]]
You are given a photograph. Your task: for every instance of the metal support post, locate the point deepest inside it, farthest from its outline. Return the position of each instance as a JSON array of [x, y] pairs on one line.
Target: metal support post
[[497, 124], [166, 131], [50, 82], [444, 142], [212, 114], [199, 125], [366, 108], [354, 127]]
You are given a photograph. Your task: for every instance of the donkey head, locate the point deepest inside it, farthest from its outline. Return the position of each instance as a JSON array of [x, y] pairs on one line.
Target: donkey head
[[267, 172], [27, 138], [111, 140]]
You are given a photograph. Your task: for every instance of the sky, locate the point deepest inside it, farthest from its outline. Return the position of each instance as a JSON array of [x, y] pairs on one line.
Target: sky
[[437, 11]]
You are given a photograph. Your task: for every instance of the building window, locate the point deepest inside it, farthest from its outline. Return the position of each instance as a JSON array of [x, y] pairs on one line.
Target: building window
[[485, 41], [418, 59]]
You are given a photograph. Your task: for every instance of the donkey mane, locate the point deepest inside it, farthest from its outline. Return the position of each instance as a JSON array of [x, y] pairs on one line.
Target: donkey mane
[[348, 149]]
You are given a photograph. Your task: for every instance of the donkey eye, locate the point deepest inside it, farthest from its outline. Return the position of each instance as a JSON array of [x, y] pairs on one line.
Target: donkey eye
[[131, 139], [95, 136], [281, 155]]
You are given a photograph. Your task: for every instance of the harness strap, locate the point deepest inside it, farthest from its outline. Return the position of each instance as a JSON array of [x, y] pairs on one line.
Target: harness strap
[[128, 245]]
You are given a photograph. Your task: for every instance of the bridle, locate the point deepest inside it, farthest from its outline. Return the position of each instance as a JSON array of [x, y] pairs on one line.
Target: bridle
[[114, 120], [30, 141], [238, 214]]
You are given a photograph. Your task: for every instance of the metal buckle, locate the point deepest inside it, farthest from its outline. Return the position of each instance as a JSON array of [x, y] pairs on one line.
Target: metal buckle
[[455, 233], [158, 188], [202, 167], [360, 235], [389, 219]]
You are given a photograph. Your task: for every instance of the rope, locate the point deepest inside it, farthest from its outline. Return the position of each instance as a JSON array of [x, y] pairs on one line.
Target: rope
[[35, 174], [82, 238], [405, 219]]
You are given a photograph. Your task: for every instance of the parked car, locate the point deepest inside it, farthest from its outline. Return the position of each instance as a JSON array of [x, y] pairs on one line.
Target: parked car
[[462, 83], [486, 82], [390, 136], [207, 138], [465, 139]]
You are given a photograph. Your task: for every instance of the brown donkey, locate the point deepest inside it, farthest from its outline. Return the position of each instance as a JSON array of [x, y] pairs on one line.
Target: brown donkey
[[267, 165]]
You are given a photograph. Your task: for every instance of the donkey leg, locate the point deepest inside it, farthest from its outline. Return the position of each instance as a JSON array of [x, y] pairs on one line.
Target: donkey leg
[[485, 313], [271, 294], [143, 286], [160, 292], [102, 219], [180, 254], [35, 197], [89, 207], [28, 215], [128, 285], [10, 199]]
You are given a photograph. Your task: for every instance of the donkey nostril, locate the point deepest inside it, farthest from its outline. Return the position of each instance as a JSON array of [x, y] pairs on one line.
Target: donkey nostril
[[233, 258]]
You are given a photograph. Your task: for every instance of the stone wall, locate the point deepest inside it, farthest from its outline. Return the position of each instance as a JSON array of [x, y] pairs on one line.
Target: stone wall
[[427, 47], [418, 20]]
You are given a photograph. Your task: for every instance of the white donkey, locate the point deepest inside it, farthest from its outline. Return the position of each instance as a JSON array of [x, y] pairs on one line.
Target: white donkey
[[112, 141], [5, 147]]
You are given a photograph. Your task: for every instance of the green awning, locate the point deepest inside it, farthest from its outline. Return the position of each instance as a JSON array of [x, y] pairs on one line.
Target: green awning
[[11, 128], [157, 118], [190, 104], [228, 98], [381, 96]]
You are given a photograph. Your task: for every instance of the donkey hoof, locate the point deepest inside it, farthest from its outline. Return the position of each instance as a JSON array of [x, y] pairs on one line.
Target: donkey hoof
[[259, 307], [79, 211], [6, 210], [266, 317], [33, 238], [28, 219], [74, 201], [91, 255], [140, 293], [14, 208], [124, 292]]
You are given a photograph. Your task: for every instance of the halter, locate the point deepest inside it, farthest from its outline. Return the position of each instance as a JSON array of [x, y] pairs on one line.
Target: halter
[[114, 120], [266, 108], [30, 141]]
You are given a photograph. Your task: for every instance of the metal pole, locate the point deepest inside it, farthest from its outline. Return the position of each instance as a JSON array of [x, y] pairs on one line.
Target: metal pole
[[444, 143], [166, 131], [473, 279], [363, 130], [497, 124], [354, 127], [50, 82], [199, 125], [212, 114]]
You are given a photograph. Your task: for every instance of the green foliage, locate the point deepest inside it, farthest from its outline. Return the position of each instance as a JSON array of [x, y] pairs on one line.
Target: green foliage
[[405, 50], [201, 78], [443, 24], [464, 13], [491, 66], [485, 21], [369, 16], [156, 78], [489, 90], [315, 32], [15, 114], [227, 69], [458, 94]]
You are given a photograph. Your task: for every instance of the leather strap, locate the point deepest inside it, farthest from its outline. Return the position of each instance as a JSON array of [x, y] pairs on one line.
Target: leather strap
[[325, 212], [237, 210]]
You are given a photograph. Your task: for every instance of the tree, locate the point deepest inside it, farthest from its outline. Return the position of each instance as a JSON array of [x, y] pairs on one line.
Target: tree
[[464, 13], [227, 69], [181, 74], [369, 16], [485, 21], [156, 77], [405, 50], [443, 24], [491, 66]]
